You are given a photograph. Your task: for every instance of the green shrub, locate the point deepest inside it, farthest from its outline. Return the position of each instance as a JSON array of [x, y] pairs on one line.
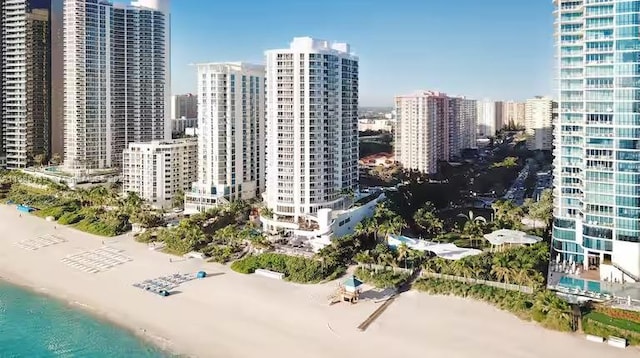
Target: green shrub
[[295, 269], [70, 218], [382, 278]]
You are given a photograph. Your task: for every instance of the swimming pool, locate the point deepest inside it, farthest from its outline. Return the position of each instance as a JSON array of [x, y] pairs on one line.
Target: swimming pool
[[585, 285]]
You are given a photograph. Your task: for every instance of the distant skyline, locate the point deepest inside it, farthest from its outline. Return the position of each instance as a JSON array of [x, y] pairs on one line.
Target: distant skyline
[[496, 49]]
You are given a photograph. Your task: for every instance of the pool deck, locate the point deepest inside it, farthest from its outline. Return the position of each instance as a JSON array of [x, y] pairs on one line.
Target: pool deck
[[615, 289]]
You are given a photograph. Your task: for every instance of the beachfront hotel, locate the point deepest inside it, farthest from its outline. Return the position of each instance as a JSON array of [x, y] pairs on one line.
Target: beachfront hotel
[[25, 85], [597, 141], [540, 115], [159, 170], [312, 130], [116, 85], [231, 135]]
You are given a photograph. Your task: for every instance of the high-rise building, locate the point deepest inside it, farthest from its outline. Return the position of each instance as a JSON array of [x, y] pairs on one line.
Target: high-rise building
[[432, 127], [57, 80], [26, 86], [159, 170], [184, 106], [597, 138], [540, 114], [419, 142], [231, 135], [312, 128], [509, 114], [117, 79], [463, 123], [486, 119]]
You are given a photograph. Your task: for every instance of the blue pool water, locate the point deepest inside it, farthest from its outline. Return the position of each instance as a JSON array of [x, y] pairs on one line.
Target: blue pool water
[[36, 326], [569, 282]]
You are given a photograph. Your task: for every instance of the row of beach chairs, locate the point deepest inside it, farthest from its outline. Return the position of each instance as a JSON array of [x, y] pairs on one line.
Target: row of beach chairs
[[164, 284], [97, 260], [40, 242]]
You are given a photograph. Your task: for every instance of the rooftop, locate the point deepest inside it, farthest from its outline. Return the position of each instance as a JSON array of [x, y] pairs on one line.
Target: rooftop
[[514, 237], [446, 251]]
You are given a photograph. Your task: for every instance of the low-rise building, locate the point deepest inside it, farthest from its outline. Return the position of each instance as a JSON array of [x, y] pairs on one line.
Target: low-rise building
[[374, 160], [375, 125], [158, 170]]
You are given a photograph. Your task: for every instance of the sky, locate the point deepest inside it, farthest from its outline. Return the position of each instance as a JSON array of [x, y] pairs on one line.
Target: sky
[[494, 49]]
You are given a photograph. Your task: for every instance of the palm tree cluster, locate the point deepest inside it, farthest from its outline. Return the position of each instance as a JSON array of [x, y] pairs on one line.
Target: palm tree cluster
[[520, 265], [223, 233], [384, 222], [382, 255], [428, 221]]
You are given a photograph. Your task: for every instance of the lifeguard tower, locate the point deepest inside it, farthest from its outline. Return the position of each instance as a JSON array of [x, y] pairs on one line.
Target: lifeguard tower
[[350, 289]]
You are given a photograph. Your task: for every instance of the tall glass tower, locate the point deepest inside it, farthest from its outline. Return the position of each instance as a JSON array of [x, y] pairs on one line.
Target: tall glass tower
[[597, 138]]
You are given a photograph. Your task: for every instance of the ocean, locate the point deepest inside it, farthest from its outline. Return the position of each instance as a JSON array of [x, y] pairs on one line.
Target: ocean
[[36, 326]]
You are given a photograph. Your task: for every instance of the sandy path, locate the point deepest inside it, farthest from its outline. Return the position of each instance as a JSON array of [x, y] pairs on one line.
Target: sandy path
[[231, 315]]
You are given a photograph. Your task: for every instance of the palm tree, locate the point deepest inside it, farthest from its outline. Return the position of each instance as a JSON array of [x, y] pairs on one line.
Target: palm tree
[[403, 252], [501, 268], [472, 217], [365, 227], [473, 226], [56, 159], [177, 201], [266, 213], [40, 159], [364, 258], [426, 218]]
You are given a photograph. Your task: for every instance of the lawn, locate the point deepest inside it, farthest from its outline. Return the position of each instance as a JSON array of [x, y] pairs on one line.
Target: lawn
[[614, 322]]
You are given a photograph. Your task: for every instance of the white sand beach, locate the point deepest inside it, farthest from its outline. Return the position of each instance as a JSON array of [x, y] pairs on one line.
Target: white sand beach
[[231, 315]]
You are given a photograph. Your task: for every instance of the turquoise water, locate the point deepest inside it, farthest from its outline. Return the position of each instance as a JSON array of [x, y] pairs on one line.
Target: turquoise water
[[36, 326], [592, 286]]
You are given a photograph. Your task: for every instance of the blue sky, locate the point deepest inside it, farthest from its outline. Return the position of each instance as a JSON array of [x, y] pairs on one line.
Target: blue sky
[[498, 49]]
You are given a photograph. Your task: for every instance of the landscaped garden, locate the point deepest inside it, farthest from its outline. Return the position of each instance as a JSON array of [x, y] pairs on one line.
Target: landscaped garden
[[100, 210], [606, 321], [295, 269], [222, 234]]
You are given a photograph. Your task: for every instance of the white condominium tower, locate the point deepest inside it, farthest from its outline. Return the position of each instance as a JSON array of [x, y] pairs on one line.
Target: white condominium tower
[[312, 128], [25, 85], [486, 119], [419, 135], [231, 127], [159, 170], [540, 114], [116, 66], [463, 113]]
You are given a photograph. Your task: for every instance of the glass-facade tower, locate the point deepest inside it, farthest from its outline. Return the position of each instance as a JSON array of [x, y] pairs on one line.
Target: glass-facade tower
[[597, 137]]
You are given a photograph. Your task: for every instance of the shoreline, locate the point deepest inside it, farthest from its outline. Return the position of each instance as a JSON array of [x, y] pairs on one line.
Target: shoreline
[[233, 315], [164, 345]]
